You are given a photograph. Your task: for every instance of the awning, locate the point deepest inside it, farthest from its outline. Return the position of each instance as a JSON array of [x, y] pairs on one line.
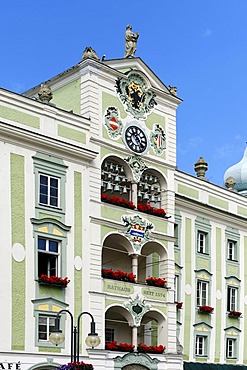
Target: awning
[[211, 366]]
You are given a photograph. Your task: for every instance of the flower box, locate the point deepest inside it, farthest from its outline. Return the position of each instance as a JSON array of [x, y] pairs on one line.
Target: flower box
[[119, 275], [205, 309], [159, 282], [146, 208], [123, 347], [53, 281], [76, 366], [117, 201], [179, 305], [143, 348], [234, 313]]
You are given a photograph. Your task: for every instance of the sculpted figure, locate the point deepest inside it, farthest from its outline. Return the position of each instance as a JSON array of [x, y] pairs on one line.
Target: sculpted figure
[[130, 42], [45, 93]]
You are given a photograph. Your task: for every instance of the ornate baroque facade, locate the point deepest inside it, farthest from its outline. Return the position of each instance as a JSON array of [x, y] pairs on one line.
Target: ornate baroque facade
[[88, 166]]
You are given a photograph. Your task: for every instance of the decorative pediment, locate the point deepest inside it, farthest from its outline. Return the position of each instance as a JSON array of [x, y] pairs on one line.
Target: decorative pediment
[[132, 360]]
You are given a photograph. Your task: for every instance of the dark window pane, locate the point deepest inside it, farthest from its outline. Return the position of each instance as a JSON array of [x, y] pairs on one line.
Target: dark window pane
[[43, 199], [43, 263], [44, 180], [54, 183], [41, 244], [53, 202], [54, 192], [51, 325], [53, 246], [52, 266]]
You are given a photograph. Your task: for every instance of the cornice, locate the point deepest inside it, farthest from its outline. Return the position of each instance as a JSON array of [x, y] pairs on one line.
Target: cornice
[[36, 141], [188, 204], [51, 220]]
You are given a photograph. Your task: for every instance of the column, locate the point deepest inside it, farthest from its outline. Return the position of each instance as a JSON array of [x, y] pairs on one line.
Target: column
[[135, 265]]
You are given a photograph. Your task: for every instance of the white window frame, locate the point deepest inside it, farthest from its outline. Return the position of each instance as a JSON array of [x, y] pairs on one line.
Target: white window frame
[[231, 345], [200, 345], [201, 242], [232, 298], [201, 288], [48, 203], [50, 324], [52, 254], [231, 250]]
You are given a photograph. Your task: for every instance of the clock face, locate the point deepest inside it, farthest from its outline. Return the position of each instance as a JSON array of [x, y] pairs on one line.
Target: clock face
[[136, 139]]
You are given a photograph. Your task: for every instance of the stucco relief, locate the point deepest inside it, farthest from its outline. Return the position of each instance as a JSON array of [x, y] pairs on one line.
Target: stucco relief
[[138, 361]]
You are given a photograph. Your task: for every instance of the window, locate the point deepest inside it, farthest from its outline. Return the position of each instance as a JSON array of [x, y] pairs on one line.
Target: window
[[176, 286], [48, 190], [176, 235], [45, 319], [230, 348], [232, 298], [203, 236], [109, 335], [46, 325], [201, 242], [200, 349], [48, 254], [202, 293], [232, 250]]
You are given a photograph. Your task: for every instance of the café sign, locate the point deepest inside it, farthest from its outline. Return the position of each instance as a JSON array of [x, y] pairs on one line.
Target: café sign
[[10, 365]]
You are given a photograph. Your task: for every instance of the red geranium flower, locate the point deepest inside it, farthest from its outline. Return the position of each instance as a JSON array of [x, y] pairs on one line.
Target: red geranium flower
[[156, 282], [53, 280], [117, 201], [119, 275]]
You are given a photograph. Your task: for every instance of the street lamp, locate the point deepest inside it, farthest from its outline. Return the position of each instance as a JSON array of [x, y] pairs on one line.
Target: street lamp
[[57, 336]]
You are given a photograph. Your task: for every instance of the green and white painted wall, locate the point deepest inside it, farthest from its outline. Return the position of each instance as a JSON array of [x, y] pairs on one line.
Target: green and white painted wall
[[56, 161], [213, 211]]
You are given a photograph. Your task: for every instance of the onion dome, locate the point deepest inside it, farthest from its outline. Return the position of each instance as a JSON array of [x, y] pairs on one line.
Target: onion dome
[[239, 173]]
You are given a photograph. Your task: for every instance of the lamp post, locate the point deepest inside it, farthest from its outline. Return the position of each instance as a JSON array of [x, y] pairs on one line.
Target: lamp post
[[57, 336]]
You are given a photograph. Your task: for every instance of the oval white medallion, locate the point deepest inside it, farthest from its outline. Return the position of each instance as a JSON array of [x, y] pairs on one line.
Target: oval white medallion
[[218, 294], [78, 263], [18, 252], [187, 289]]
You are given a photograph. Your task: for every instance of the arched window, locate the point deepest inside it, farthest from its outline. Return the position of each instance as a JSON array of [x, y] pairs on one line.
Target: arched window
[[114, 180], [149, 190]]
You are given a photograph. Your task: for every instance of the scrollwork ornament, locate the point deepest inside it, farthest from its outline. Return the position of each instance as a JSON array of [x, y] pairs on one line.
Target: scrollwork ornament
[[133, 359], [133, 92], [158, 139], [138, 231], [137, 166], [113, 122], [137, 307]]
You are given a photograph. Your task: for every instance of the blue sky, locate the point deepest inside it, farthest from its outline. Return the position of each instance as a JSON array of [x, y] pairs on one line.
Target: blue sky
[[199, 46]]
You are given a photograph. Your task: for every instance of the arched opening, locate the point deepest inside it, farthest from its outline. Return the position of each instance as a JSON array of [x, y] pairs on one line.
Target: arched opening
[[151, 189], [115, 178], [153, 329], [117, 325], [152, 261], [45, 366], [115, 253]]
